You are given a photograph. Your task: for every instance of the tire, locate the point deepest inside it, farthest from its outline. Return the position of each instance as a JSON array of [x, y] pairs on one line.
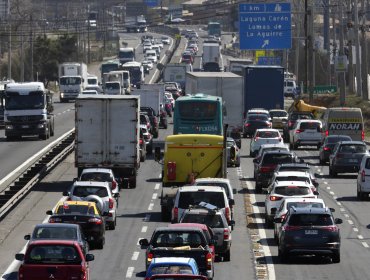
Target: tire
[[322, 162], [359, 195], [143, 158], [245, 135], [100, 244], [283, 256], [237, 164], [335, 257], [112, 225], [332, 173], [149, 149], [226, 256], [44, 136], [258, 188], [52, 129], [132, 183], [268, 222], [165, 214]]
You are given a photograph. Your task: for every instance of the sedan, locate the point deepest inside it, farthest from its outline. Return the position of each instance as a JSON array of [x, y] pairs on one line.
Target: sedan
[[264, 136], [328, 144]]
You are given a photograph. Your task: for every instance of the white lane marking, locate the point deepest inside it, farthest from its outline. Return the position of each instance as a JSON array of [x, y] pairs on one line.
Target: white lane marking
[[365, 244], [262, 234], [321, 173], [325, 182], [130, 271], [335, 197], [160, 176], [318, 169], [144, 229], [328, 188], [156, 187], [360, 237], [338, 203], [135, 256], [59, 114], [64, 112], [342, 209], [154, 196], [332, 193], [68, 110], [163, 57], [350, 222], [151, 206], [355, 229], [147, 218], [346, 215]]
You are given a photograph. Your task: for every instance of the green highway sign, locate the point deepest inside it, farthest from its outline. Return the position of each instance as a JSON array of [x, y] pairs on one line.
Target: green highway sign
[[323, 89]]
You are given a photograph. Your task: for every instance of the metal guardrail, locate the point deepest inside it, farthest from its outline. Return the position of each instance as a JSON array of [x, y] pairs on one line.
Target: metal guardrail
[[23, 181]]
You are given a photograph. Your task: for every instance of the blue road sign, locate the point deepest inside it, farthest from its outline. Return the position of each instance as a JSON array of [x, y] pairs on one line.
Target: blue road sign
[[269, 60], [152, 3], [265, 26]]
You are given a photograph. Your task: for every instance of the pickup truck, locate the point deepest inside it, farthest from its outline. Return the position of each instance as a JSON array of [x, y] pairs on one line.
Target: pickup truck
[[180, 242]]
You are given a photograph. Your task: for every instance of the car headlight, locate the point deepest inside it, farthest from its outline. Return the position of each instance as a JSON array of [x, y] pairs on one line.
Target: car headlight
[[8, 126], [62, 94], [41, 125]]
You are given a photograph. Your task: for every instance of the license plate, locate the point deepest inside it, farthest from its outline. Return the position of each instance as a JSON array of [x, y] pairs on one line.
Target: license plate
[[310, 231], [25, 126]]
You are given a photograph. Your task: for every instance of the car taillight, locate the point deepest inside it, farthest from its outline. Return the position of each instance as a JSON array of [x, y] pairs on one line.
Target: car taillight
[[255, 139], [175, 213], [148, 125], [275, 198], [326, 133], [247, 124], [326, 149], [209, 261], [141, 141], [282, 217], [114, 185], [111, 203], [363, 176], [95, 221], [290, 123], [149, 257], [226, 234], [291, 228], [298, 131], [269, 124], [83, 273], [20, 272], [363, 135], [228, 214], [155, 121], [55, 220], [266, 169], [330, 228]]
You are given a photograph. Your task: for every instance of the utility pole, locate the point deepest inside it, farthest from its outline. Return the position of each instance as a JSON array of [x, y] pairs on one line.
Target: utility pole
[[298, 43], [306, 41], [364, 72], [10, 50], [31, 48], [357, 46], [327, 36], [350, 32], [342, 73], [22, 55], [311, 54]]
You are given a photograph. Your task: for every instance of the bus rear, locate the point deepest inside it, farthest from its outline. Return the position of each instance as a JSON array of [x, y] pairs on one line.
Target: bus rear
[[198, 114]]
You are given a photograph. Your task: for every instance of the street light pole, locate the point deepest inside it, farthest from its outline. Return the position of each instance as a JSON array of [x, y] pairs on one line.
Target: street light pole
[[357, 46], [342, 73]]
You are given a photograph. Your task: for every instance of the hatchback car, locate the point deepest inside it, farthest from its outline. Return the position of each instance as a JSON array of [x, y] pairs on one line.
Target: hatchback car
[[264, 136], [306, 133], [363, 178], [165, 40], [278, 118], [302, 176], [254, 122], [346, 157], [100, 175], [279, 191], [310, 231], [84, 213], [328, 144], [232, 153]]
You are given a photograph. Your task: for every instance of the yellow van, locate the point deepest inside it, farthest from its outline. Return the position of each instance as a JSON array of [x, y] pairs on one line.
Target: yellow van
[[344, 121]]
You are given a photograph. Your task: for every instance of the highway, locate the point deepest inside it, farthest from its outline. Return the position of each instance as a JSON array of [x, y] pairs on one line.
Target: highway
[[139, 215]]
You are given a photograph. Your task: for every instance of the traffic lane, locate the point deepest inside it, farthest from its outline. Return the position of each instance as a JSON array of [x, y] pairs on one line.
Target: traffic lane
[[303, 267]]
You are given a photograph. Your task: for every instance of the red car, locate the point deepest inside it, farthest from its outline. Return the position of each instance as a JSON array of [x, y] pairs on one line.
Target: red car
[[54, 259]]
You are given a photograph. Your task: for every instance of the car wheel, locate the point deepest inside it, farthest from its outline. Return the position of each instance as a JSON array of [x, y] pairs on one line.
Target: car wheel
[[268, 222], [250, 154], [100, 244], [165, 214], [237, 164], [226, 256], [336, 257], [322, 162], [245, 135], [283, 256], [150, 149], [258, 188], [112, 225], [332, 173]]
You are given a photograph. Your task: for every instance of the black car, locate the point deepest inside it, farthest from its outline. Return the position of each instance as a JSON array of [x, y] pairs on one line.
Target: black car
[[292, 119], [267, 164], [84, 213], [346, 157], [59, 232], [254, 122], [328, 144], [308, 231], [153, 120], [301, 166]]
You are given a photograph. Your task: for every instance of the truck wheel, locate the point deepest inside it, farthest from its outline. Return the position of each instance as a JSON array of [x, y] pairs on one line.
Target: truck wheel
[[52, 129], [44, 136], [166, 216], [132, 183], [100, 244], [150, 149], [226, 256]]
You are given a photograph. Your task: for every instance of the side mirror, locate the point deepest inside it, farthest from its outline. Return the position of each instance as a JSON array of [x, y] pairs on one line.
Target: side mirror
[[332, 209], [89, 257], [65, 193], [27, 237], [234, 191], [338, 221], [157, 153], [19, 257], [144, 242], [301, 160], [278, 220], [231, 202], [49, 212], [316, 193], [75, 179], [116, 195]]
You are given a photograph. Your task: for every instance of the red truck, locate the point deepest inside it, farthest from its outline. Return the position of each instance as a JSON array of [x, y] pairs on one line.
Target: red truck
[[54, 259]]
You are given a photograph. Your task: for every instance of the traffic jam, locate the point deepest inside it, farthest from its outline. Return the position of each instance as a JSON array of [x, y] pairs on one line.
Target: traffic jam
[[220, 120]]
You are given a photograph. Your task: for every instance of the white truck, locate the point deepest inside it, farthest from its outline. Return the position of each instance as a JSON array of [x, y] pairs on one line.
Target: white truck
[[158, 89], [227, 85], [136, 24], [122, 76], [211, 57], [107, 134], [235, 65], [149, 98], [72, 80], [176, 72]]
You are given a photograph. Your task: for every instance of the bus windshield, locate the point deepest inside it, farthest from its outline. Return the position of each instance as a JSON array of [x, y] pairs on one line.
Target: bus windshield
[[105, 68], [195, 110]]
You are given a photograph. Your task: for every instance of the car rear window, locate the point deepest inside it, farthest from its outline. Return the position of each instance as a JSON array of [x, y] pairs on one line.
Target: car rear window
[[96, 176], [310, 125], [278, 114], [293, 168], [267, 134], [171, 269], [293, 178], [311, 220], [83, 191], [277, 158], [257, 117], [213, 221], [302, 204], [194, 198], [301, 117], [55, 233], [292, 190], [53, 254], [352, 148], [178, 238], [75, 209], [337, 139], [216, 184]]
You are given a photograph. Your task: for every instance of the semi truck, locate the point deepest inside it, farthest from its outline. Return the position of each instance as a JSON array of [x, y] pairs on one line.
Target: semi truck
[[186, 158], [28, 111], [227, 85], [107, 134], [176, 72], [136, 24], [72, 80], [263, 87], [122, 76]]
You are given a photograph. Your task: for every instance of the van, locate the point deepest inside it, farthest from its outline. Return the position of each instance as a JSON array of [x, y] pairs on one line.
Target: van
[[344, 121], [290, 88]]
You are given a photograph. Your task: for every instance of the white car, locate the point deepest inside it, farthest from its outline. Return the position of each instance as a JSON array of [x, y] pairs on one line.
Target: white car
[[148, 63], [283, 189], [306, 133], [259, 111], [165, 40], [363, 178], [100, 175], [169, 98], [278, 118], [293, 176], [159, 43], [151, 55], [100, 193], [297, 202], [147, 47], [264, 136]]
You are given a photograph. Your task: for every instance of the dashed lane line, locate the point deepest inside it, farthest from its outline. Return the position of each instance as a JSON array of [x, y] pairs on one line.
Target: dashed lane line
[[154, 196], [360, 237], [151, 206], [135, 256], [156, 187], [130, 271], [144, 229], [365, 244]]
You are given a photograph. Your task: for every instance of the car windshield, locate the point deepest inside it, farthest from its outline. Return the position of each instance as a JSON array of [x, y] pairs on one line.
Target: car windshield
[[68, 233], [75, 209], [267, 134], [194, 198], [213, 221], [83, 191], [171, 269], [96, 176], [15, 101], [303, 204], [311, 220], [178, 238], [292, 190], [352, 148], [53, 254], [70, 81]]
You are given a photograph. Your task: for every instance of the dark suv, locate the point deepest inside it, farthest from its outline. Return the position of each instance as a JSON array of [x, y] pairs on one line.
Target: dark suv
[[266, 166], [153, 120], [292, 118], [309, 231]]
